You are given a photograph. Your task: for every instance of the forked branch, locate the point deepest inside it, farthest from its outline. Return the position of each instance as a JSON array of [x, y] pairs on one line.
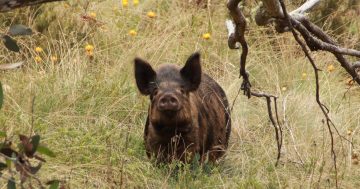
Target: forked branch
[[323, 108], [237, 35], [315, 37]]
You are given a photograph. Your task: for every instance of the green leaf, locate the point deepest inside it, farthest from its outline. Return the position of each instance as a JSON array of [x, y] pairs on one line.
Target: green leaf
[[19, 30], [35, 140], [10, 43], [54, 184], [2, 166], [1, 96], [46, 151], [11, 184]]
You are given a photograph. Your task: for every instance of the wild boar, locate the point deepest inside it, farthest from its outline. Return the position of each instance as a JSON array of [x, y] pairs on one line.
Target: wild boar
[[188, 112]]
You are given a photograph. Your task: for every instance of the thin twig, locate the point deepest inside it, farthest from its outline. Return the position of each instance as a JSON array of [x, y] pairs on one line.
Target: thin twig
[[268, 101], [323, 108], [233, 103], [279, 124], [309, 30], [290, 132]]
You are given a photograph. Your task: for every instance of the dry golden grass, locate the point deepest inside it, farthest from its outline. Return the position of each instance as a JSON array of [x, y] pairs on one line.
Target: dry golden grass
[[86, 109]]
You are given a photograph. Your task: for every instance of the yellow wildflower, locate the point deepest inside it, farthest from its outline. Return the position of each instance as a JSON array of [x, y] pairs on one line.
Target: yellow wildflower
[[132, 32], [92, 15], [284, 88], [38, 49], [135, 2], [206, 36], [89, 50], [38, 59], [90, 53], [331, 68], [53, 59], [151, 14], [125, 3], [89, 47], [304, 75]]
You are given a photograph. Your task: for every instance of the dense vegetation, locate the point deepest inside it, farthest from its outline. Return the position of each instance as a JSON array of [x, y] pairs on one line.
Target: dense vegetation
[[78, 68]]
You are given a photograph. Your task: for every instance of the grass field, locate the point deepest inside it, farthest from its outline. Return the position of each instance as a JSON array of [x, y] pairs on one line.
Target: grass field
[[90, 113]]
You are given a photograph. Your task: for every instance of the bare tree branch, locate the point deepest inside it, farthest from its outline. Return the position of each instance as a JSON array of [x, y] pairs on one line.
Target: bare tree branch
[[315, 38], [273, 8], [270, 10], [7, 5], [308, 5], [11, 66], [237, 34], [305, 27], [323, 108]]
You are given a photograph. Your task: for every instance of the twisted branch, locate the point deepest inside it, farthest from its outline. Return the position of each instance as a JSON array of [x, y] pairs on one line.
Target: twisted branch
[[237, 34], [309, 31], [323, 108], [315, 38]]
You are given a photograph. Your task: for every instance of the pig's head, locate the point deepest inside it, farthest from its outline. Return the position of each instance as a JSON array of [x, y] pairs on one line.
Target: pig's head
[[169, 88]]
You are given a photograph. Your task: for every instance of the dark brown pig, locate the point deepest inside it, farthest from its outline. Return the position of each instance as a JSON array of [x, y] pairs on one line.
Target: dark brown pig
[[188, 114]]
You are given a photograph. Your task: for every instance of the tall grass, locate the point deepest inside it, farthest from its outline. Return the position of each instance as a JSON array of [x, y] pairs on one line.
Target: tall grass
[[91, 114]]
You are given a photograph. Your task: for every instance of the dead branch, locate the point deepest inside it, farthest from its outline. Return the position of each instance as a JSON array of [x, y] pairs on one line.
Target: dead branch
[[7, 5], [270, 10], [308, 5], [323, 108], [278, 134], [11, 66], [316, 39], [276, 124], [309, 31], [237, 34]]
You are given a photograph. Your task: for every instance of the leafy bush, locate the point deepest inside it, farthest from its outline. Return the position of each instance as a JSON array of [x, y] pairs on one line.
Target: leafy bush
[[18, 160]]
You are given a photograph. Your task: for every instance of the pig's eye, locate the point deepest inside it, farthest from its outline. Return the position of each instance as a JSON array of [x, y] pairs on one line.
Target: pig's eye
[[155, 92], [182, 90]]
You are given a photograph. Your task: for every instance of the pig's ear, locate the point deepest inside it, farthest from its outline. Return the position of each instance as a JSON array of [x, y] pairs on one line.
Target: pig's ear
[[191, 72], [145, 76]]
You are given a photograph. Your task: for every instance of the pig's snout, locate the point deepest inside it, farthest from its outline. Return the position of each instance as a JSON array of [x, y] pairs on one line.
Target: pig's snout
[[168, 102]]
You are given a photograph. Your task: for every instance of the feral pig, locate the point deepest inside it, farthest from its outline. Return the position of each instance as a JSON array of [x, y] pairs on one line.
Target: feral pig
[[188, 114]]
